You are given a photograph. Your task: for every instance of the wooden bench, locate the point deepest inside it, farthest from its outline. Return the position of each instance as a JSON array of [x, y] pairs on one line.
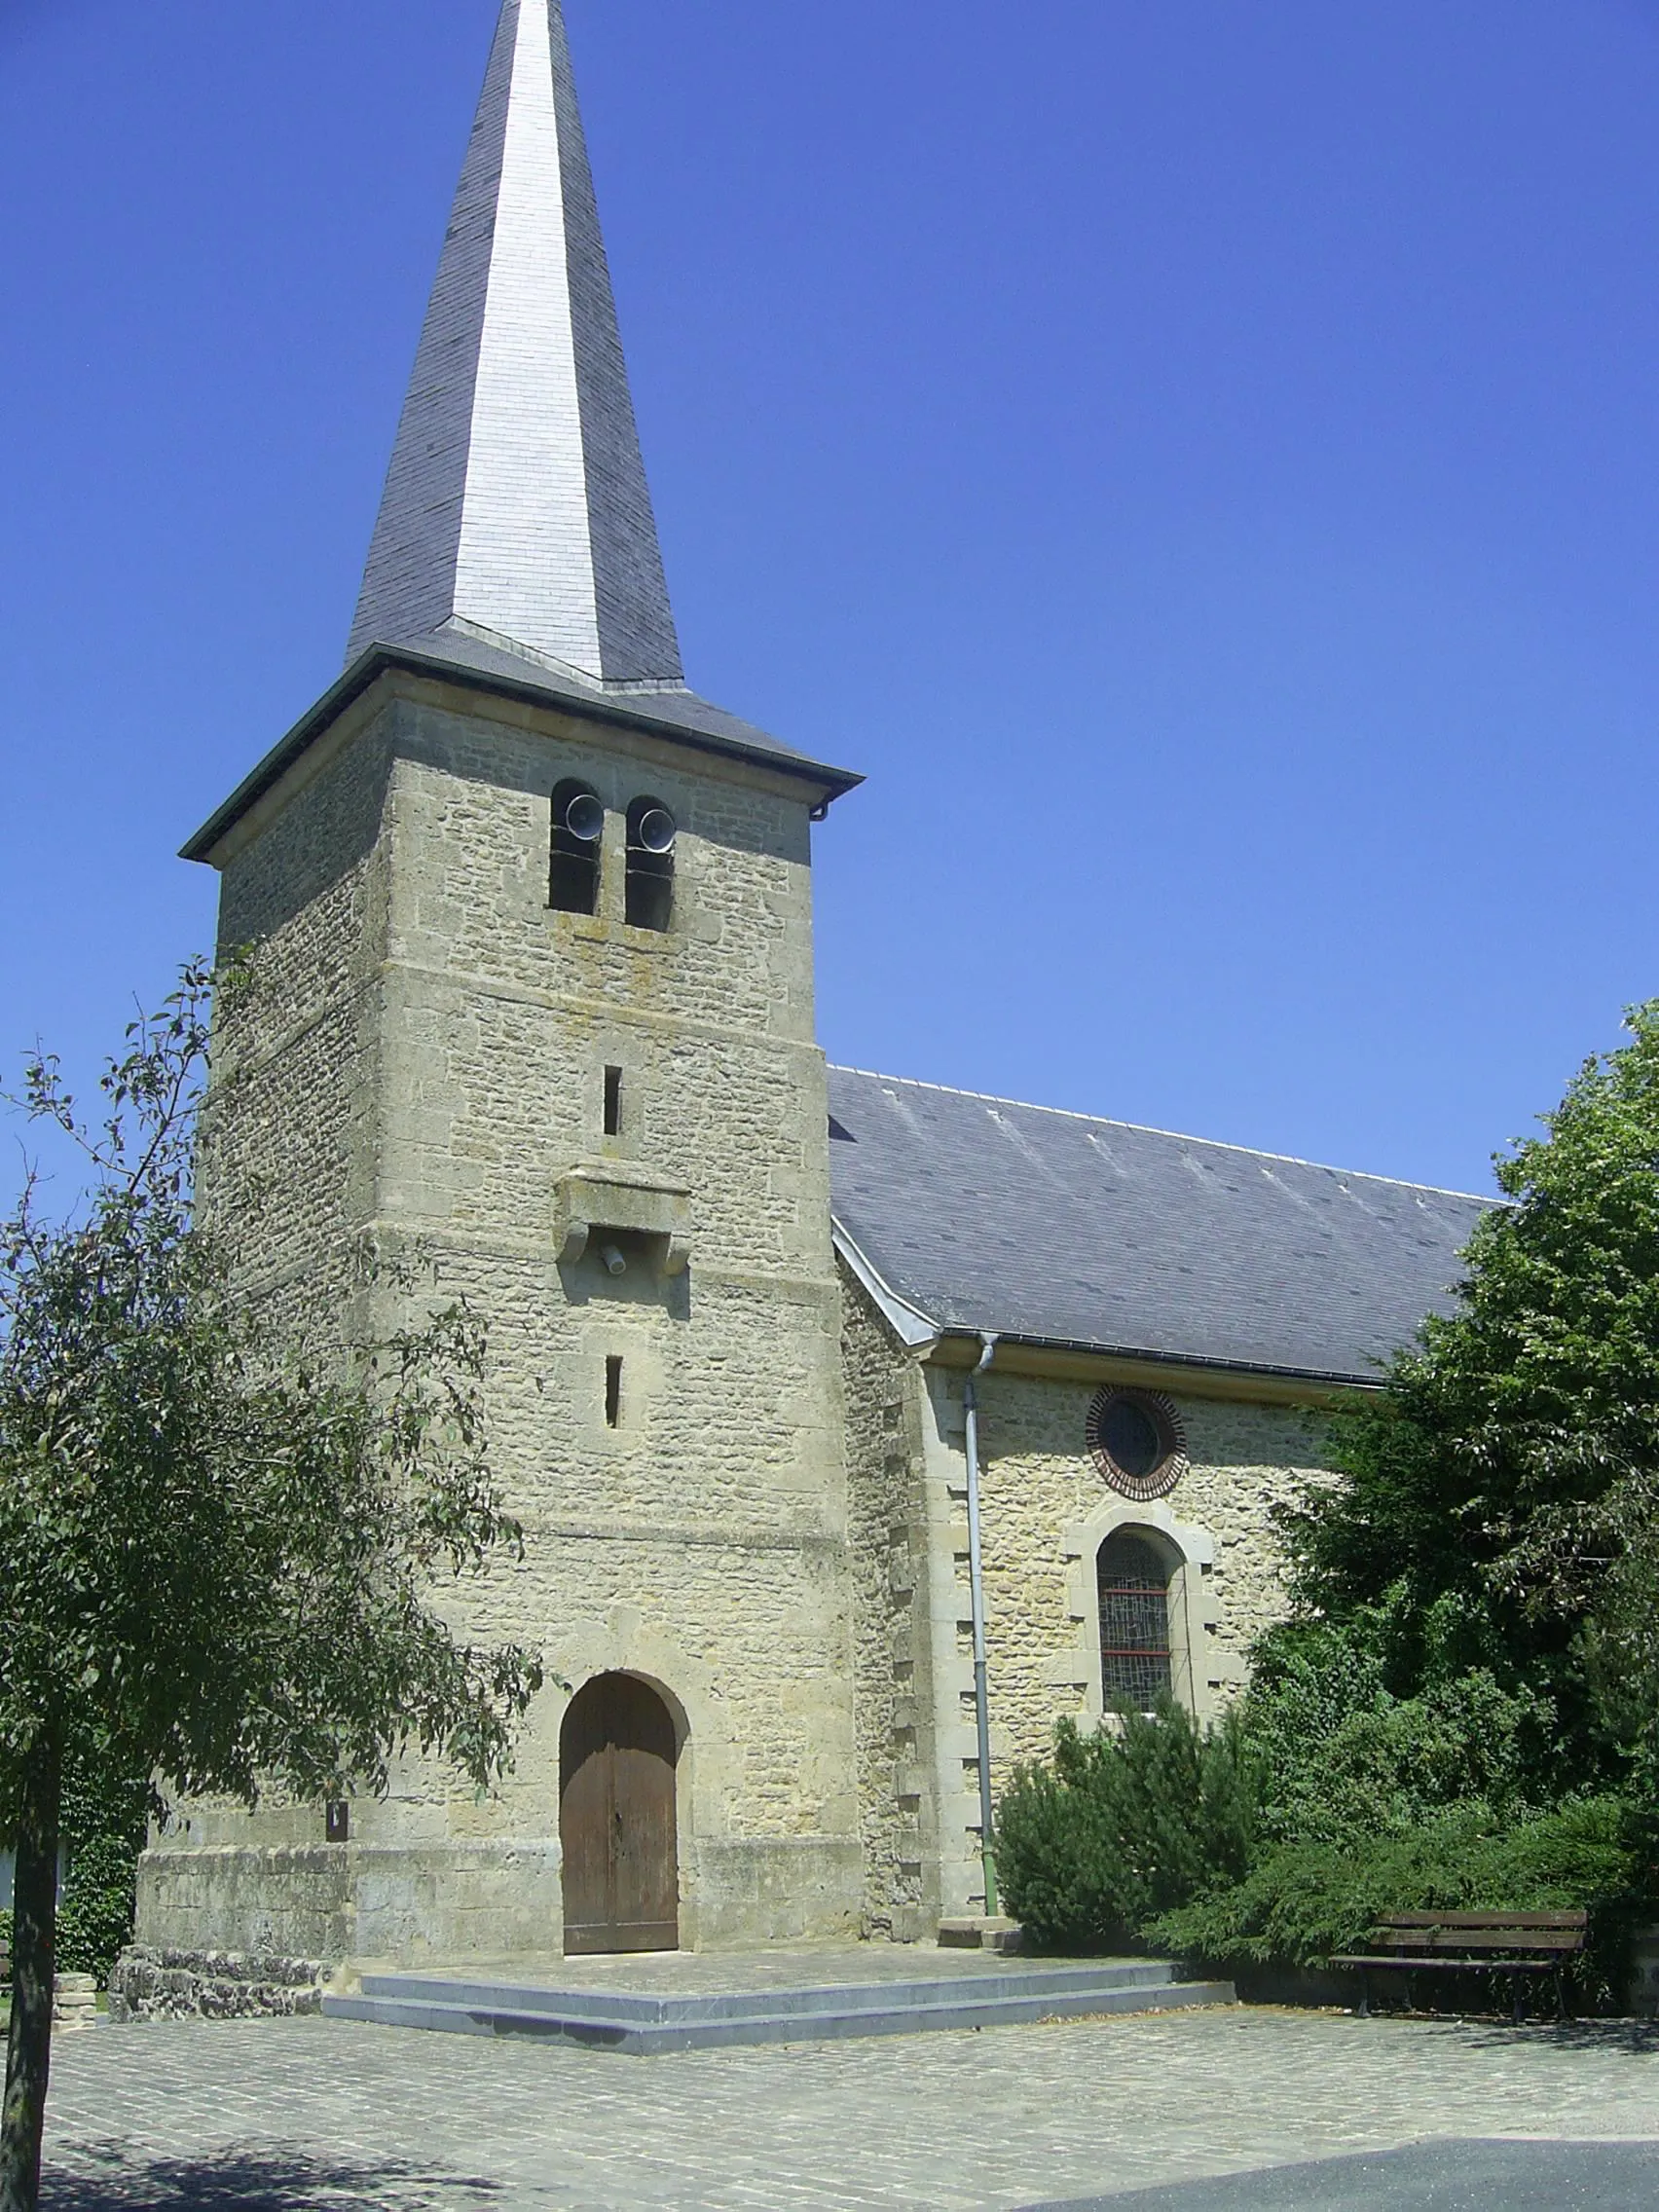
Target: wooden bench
[[1519, 1945]]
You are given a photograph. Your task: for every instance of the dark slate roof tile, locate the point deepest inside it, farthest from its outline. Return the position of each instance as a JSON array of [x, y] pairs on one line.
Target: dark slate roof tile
[[989, 1215]]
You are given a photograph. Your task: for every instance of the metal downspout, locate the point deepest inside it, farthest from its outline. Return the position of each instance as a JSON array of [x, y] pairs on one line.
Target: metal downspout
[[977, 1579]]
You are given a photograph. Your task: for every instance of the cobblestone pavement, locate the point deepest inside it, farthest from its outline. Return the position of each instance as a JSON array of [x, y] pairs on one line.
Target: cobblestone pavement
[[287, 2115]]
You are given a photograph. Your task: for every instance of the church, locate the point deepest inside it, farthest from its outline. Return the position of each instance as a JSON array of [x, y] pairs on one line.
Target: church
[[860, 1430]]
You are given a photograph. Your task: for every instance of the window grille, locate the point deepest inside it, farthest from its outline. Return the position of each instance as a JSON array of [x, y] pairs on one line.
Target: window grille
[[1134, 1584], [1137, 1441]]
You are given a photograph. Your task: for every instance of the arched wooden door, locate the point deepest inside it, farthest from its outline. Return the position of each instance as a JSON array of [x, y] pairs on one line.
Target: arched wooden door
[[616, 1820]]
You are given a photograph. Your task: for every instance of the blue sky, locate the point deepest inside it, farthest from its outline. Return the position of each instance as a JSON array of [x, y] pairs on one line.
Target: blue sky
[[1200, 459]]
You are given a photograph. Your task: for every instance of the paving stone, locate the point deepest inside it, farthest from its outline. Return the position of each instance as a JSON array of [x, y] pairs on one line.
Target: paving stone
[[296, 2116]]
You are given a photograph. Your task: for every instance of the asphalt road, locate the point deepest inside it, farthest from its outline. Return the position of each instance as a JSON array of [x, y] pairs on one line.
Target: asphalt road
[[1430, 2177]]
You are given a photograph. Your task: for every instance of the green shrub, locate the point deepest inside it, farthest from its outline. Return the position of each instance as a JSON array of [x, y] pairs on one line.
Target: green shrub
[[1125, 1822], [105, 1817], [94, 1919], [95, 1914], [1342, 1756], [1307, 1900]]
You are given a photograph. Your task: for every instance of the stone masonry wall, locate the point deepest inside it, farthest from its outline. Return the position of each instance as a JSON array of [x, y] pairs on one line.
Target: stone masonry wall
[[883, 1397], [1042, 1501], [285, 1170], [1044, 1511], [716, 1508], [455, 1031]]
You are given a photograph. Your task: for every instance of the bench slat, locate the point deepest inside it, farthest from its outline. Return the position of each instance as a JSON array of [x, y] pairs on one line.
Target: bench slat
[[1578, 1919], [1452, 1965], [1553, 1939]]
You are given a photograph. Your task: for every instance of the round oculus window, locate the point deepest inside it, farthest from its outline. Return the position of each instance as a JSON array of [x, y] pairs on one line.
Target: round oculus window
[[1135, 1437]]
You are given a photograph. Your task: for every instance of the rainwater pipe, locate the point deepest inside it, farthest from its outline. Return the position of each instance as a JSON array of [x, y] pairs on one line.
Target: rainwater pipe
[[977, 1582]]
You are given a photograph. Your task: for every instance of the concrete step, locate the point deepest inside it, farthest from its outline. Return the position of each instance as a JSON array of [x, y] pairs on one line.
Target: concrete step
[[658, 2007], [645, 2025]]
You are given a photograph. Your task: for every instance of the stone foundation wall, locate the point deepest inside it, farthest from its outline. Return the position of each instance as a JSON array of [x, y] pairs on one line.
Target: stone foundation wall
[[212, 1985], [337, 1902]]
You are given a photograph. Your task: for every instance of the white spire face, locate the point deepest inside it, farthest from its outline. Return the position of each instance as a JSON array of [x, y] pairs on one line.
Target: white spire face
[[516, 506]]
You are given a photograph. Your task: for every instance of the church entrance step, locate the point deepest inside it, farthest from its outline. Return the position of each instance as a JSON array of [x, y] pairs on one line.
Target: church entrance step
[[644, 2024]]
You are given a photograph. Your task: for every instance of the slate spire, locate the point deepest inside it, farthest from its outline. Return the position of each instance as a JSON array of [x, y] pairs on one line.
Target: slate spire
[[516, 508]]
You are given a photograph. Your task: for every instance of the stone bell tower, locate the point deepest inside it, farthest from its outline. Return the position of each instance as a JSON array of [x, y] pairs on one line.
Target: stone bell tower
[[535, 931]]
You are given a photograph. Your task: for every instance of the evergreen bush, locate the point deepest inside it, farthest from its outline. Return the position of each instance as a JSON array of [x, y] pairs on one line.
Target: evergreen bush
[[1126, 1823], [1306, 1901], [106, 1820], [1342, 1756], [94, 1920]]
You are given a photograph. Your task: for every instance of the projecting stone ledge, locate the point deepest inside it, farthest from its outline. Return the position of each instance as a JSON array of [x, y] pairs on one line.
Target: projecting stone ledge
[[628, 1201]]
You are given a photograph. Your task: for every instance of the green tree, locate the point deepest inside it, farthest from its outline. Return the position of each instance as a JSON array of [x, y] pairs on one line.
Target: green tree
[[1342, 1759], [221, 1561], [1502, 1494]]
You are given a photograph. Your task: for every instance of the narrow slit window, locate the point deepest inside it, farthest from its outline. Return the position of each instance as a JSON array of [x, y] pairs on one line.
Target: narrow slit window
[[577, 840], [613, 1102], [652, 833], [613, 1392]]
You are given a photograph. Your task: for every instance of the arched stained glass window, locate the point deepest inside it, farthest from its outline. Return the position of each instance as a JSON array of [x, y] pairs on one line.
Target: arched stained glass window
[[1133, 1576]]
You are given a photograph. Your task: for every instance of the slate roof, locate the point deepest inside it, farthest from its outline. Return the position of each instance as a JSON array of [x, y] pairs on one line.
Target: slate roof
[[665, 710], [516, 497], [515, 545], [1058, 1229], [673, 708]]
